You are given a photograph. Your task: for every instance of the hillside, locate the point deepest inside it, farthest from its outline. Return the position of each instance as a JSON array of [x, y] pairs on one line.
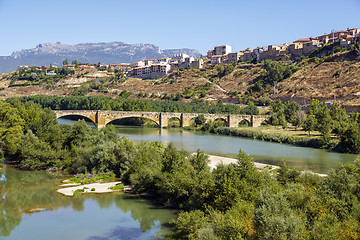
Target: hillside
[[113, 52], [337, 77]]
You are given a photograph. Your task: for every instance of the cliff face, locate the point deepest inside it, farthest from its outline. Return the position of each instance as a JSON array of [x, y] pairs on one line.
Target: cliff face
[[113, 52]]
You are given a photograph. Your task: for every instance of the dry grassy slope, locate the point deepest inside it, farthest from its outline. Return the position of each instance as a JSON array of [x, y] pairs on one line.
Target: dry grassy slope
[[320, 81], [311, 81], [189, 79]]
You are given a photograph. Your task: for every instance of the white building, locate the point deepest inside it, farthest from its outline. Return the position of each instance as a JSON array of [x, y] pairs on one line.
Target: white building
[[180, 57], [222, 50]]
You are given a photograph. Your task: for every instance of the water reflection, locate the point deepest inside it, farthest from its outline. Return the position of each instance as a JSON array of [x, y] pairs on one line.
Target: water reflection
[[93, 216]]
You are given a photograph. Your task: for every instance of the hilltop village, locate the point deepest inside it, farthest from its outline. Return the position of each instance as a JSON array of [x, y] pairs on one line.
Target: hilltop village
[[325, 67], [157, 68]]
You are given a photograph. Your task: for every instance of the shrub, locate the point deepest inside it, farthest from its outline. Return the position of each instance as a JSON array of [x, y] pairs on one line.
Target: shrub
[[119, 186], [89, 178], [77, 192]]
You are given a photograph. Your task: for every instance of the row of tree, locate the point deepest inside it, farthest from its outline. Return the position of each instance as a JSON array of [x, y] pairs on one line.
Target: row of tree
[[127, 104], [331, 121]]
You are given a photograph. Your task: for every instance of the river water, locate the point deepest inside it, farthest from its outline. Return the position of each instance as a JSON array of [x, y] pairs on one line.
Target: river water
[[90, 216], [317, 160]]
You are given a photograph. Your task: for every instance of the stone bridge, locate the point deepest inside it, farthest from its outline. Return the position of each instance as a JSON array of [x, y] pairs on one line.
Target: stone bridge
[[102, 117]]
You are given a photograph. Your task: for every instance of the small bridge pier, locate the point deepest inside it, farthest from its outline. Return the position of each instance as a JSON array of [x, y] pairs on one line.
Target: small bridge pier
[[102, 117]]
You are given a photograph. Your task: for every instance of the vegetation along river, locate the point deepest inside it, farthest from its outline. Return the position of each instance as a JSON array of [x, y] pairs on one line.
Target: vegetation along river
[[30, 206], [317, 160]]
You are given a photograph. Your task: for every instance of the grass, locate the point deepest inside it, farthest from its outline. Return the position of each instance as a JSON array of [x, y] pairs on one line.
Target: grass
[[276, 134]]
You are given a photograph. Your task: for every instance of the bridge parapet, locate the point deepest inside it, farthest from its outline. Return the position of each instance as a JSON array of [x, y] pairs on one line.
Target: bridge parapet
[[103, 117]]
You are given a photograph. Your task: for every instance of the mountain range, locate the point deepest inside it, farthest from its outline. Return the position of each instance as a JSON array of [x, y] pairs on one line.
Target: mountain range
[[112, 52]]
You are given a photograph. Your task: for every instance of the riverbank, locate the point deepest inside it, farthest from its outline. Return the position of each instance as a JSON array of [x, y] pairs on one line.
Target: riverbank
[[90, 188], [216, 160], [70, 189], [277, 135]]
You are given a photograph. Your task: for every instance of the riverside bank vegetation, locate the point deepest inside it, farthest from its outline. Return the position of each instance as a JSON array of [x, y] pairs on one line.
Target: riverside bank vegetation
[[233, 201], [335, 130], [338, 131]]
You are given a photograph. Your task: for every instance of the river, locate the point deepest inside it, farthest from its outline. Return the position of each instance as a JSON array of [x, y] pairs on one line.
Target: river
[[119, 215], [90, 216]]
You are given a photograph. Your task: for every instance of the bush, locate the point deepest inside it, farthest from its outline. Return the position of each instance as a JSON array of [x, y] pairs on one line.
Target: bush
[[89, 178], [119, 186]]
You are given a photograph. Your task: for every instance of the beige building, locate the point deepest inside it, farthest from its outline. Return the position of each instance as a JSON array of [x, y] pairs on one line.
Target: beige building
[[234, 57], [153, 71], [189, 62], [216, 59], [249, 55], [210, 53], [274, 52], [311, 46], [197, 63], [69, 66], [295, 49], [138, 64], [120, 66]]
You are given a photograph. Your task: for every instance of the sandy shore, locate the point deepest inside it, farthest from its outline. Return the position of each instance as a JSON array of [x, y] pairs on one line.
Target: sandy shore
[[216, 160], [99, 188], [69, 189]]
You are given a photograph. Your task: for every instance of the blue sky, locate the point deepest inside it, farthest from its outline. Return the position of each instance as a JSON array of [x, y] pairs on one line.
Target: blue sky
[[199, 24]]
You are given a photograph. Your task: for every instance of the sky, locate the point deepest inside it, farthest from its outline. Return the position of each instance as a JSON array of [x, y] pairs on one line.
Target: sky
[[198, 24]]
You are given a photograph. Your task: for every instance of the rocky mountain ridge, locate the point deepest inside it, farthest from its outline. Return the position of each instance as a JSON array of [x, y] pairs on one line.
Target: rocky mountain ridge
[[112, 52]]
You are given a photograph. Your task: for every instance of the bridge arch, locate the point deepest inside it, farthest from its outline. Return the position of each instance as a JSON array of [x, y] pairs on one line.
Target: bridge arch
[[76, 117], [174, 122], [220, 122], [90, 115], [137, 121], [110, 116], [244, 123]]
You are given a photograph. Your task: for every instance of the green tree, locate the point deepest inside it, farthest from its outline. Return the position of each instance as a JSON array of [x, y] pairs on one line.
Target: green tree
[[11, 128], [199, 120], [65, 62], [277, 71], [188, 223], [324, 120], [339, 118], [287, 174], [35, 153], [299, 118], [350, 139], [274, 219], [220, 70], [310, 123]]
